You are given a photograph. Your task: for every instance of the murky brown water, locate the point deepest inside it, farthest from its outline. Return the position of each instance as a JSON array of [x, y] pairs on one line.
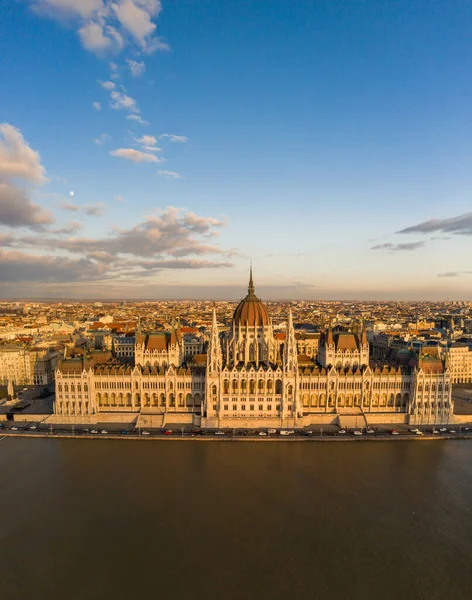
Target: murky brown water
[[120, 519]]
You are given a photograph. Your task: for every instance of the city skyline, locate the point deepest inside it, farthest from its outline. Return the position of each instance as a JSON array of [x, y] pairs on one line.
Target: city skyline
[[147, 150]]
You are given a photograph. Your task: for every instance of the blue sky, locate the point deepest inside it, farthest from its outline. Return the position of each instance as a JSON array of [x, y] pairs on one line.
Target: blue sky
[[195, 135]]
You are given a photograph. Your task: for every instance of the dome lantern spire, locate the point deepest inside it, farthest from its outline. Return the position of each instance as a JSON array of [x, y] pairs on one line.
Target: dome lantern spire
[[250, 287]]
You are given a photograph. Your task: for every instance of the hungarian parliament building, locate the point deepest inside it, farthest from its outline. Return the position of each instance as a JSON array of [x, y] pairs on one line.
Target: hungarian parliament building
[[250, 377]]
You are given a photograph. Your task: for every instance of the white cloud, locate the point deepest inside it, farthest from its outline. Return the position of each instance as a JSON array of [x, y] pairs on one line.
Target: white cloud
[[169, 174], [17, 210], [17, 159], [95, 210], [136, 68], [147, 140], [97, 105], [68, 229], [138, 119], [107, 25], [121, 101], [68, 8], [107, 85], [119, 198], [135, 155], [148, 143], [101, 139], [93, 37], [70, 206], [173, 138], [137, 19]]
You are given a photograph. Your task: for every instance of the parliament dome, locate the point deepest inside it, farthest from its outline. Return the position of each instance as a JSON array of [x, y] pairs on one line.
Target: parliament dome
[[251, 312]]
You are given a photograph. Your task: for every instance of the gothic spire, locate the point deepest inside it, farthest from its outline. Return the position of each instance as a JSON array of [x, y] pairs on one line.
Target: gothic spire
[[250, 287], [290, 358]]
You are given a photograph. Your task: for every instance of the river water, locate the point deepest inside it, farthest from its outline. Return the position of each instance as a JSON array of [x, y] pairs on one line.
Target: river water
[[86, 519]]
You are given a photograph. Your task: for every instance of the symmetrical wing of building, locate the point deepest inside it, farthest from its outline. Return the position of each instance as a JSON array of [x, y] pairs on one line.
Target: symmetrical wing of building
[[250, 377]]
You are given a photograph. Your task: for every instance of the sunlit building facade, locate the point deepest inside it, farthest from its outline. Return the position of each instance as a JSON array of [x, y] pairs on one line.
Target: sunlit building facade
[[250, 378]]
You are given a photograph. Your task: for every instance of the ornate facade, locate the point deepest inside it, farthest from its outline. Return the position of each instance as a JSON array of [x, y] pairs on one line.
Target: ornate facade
[[248, 378]]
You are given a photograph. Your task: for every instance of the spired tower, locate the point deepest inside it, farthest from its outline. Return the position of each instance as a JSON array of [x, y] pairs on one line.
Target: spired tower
[[251, 339], [247, 381]]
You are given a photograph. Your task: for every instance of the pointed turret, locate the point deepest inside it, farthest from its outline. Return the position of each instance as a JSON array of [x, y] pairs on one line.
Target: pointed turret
[[329, 337], [250, 287], [214, 356], [290, 361], [139, 336]]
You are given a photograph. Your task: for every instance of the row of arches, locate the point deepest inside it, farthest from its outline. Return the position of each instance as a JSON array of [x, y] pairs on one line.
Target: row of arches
[[157, 400], [427, 387], [252, 386], [351, 400], [73, 388]]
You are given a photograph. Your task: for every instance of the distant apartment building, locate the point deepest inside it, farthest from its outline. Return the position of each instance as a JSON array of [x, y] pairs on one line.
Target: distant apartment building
[[193, 344], [27, 366], [123, 346], [459, 360]]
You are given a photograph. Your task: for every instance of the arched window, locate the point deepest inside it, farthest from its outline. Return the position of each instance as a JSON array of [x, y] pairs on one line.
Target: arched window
[[213, 390], [260, 386], [252, 386], [278, 386], [290, 389], [136, 385], [243, 386], [79, 387], [226, 386], [66, 388], [269, 386], [234, 386], [85, 387], [59, 387]]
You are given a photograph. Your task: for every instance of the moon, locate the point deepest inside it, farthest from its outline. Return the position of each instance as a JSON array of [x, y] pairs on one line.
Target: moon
[[71, 193]]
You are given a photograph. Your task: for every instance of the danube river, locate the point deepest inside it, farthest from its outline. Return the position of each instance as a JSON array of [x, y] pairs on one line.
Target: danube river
[[94, 519]]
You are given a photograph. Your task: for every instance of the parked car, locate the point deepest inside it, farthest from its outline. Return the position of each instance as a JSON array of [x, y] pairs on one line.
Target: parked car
[[219, 432], [14, 428], [271, 431], [104, 431], [370, 431], [262, 433], [168, 432], [342, 431], [394, 432], [357, 432], [94, 431], [144, 432]]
